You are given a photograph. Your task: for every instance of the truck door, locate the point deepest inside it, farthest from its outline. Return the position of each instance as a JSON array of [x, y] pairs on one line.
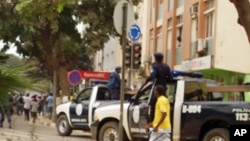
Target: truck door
[[100, 97], [138, 113], [79, 109]]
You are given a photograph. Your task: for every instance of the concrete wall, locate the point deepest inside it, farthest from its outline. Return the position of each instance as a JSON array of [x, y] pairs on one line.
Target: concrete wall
[[110, 57], [231, 45]]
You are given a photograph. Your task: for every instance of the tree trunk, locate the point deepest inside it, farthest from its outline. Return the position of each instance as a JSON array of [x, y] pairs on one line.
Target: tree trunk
[[243, 9], [63, 80]]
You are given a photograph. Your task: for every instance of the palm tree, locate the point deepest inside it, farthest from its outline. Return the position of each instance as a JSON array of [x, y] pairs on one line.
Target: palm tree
[[15, 79]]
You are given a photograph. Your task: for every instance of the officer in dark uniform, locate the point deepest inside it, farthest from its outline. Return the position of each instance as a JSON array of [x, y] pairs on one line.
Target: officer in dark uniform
[[114, 84], [162, 74]]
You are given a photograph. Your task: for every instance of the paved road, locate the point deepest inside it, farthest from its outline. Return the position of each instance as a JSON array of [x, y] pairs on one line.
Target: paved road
[[24, 131]]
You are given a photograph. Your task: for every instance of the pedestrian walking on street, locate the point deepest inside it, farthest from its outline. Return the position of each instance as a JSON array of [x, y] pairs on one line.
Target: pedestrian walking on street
[[6, 109], [20, 105], [27, 103], [40, 108], [44, 106], [115, 84], [161, 125], [34, 108], [50, 101], [162, 74]]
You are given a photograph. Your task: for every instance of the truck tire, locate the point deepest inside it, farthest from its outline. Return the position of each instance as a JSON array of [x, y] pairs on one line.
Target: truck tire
[[110, 132], [63, 127], [220, 134]]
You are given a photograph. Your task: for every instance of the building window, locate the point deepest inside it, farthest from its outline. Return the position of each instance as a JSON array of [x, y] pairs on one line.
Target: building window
[[179, 37], [170, 5], [169, 46], [179, 31], [159, 40], [152, 13], [209, 25], [194, 29], [160, 9], [209, 18], [151, 45], [180, 3], [179, 19], [210, 4], [170, 23]]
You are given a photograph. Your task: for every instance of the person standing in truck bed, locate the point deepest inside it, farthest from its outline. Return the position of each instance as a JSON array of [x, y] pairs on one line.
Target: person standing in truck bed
[[162, 74]]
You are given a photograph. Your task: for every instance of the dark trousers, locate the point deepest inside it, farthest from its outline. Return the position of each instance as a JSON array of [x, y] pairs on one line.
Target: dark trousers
[[19, 109], [5, 111], [152, 108], [114, 94], [27, 114]]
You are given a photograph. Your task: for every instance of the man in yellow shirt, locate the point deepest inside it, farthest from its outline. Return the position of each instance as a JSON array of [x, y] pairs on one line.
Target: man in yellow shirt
[[161, 123]]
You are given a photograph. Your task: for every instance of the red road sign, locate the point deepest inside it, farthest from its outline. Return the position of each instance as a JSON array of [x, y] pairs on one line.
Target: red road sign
[[95, 75], [74, 77]]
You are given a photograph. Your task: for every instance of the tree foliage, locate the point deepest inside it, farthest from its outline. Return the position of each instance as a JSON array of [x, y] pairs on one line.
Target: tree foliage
[[46, 29]]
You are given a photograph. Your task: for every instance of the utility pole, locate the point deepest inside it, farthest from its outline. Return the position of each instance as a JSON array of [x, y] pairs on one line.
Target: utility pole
[[124, 43]]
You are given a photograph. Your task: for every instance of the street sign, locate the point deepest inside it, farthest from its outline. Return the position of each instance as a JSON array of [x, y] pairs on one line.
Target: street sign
[[135, 32], [95, 75], [74, 77], [118, 15]]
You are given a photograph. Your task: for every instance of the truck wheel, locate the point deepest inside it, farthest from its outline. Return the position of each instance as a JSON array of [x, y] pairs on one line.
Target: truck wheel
[[63, 127], [217, 134], [110, 132]]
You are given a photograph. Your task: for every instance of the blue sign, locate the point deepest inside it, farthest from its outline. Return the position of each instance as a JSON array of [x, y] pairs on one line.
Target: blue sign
[[75, 77], [135, 32]]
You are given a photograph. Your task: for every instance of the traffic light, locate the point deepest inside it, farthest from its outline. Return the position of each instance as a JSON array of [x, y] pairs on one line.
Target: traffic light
[[136, 56], [128, 56]]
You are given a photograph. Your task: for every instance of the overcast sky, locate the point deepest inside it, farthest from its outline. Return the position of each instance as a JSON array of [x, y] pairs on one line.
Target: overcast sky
[[12, 49]]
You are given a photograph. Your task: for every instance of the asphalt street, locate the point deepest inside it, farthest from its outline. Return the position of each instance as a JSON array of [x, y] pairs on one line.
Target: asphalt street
[[42, 130]]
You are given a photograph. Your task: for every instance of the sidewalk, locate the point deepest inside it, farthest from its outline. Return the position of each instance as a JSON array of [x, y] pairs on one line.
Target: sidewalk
[[44, 121]]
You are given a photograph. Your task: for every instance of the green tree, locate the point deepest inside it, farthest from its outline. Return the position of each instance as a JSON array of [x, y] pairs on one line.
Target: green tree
[[15, 79], [46, 29], [13, 61]]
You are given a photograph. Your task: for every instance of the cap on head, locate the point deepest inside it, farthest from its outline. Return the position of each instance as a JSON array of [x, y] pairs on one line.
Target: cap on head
[[117, 68], [158, 56]]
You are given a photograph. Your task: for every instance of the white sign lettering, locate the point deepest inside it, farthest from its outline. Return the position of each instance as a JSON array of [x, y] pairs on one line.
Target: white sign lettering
[[138, 130], [191, 109], [78, 120], [240, 132]]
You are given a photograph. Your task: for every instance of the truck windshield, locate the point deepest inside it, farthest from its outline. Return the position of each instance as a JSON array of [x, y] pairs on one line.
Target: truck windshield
[[84, 95]]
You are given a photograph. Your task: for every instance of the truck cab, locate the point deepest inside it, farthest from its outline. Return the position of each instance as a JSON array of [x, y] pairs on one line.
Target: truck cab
[[78, 113]]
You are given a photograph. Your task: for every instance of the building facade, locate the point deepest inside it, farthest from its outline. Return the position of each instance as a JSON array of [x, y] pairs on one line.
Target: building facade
[[199, 35]]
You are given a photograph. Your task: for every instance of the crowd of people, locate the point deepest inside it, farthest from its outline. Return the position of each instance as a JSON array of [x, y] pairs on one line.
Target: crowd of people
[[29, 106]]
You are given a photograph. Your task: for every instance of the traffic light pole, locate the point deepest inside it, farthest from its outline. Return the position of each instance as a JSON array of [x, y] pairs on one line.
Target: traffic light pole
[[131, 71], [131, 67], [124, 43]]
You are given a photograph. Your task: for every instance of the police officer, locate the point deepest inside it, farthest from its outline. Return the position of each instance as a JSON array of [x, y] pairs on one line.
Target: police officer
[[162, 74], [114, 84]]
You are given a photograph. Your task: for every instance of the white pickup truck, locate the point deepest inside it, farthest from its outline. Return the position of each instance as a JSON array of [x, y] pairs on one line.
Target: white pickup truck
[[78, 114], [196, 113]]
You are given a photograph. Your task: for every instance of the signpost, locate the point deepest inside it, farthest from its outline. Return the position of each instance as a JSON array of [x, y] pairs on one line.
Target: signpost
[[123, 19]]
